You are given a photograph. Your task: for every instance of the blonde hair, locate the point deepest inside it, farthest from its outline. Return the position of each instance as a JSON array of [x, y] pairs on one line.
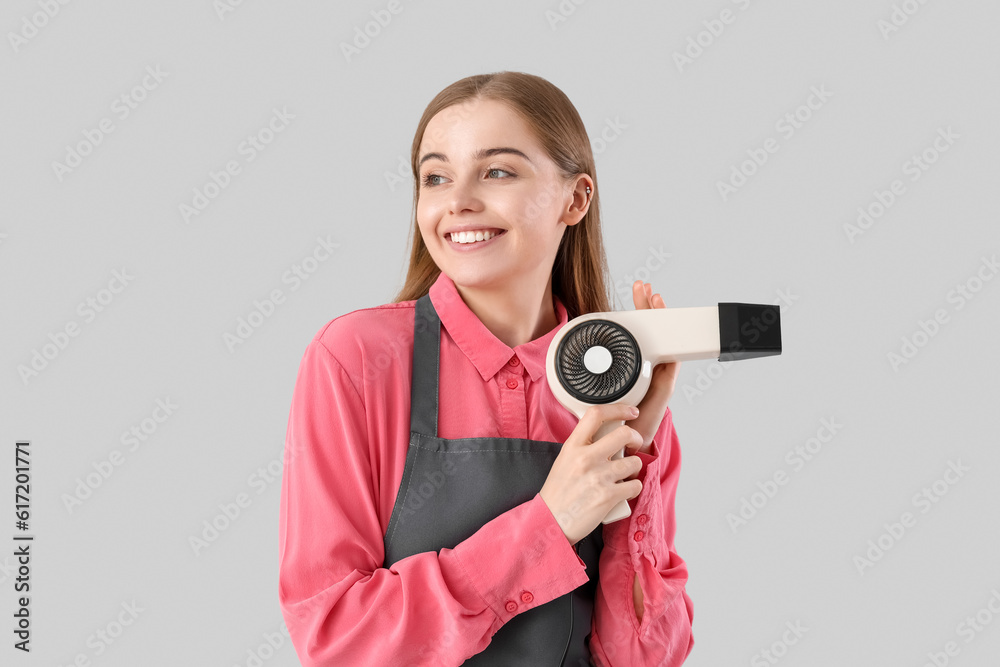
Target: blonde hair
[[580, 275]]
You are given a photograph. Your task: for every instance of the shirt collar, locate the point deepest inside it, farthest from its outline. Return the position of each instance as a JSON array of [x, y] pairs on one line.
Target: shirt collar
[[487, 352]]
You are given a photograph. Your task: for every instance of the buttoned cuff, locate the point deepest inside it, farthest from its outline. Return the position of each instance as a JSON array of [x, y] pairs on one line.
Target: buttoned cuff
[[521, 559], [636, 534]]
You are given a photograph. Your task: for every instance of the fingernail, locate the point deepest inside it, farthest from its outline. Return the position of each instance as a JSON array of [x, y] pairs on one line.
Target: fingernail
[[635, 411]]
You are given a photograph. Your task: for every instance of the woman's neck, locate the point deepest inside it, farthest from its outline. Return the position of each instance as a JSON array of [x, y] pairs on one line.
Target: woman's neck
[[517, 314]]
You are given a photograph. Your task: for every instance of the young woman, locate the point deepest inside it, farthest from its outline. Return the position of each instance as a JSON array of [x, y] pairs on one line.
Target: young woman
[[439, 506]]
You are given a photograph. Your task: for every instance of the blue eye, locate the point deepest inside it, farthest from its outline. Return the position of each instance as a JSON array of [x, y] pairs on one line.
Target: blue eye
[[427, 182]]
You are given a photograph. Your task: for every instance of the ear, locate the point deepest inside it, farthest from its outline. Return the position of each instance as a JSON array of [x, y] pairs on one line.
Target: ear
[[579, 199]]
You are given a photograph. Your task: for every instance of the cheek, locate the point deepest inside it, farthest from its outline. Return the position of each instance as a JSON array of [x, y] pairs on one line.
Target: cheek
[[517, 211], [425, 218], [538, 209]]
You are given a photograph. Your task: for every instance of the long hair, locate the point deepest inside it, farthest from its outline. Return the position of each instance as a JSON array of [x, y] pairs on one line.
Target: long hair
[[580, 275]]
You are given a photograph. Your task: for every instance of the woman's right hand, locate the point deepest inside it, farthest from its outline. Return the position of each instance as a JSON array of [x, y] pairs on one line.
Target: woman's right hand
[[583, 485]]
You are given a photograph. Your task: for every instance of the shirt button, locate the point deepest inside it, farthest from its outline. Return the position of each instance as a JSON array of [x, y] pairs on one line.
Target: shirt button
[[511, 606], [527, 597], [639, 535], [513, 362], [642, 519], [512, 383]]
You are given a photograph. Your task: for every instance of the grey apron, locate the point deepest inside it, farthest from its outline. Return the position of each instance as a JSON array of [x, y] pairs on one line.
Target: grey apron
[[451, 488]]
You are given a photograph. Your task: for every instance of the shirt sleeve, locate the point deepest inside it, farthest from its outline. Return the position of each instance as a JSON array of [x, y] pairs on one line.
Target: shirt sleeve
[[340, 605], [642, 545]]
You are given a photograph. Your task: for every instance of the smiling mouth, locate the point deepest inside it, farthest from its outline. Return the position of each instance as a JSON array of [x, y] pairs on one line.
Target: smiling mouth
[[468, 238]]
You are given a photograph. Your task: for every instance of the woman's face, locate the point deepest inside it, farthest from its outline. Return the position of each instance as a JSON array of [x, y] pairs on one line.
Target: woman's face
[[481, 168]]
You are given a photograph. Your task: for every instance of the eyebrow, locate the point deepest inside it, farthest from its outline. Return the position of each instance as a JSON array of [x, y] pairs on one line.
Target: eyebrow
[[479, 155]]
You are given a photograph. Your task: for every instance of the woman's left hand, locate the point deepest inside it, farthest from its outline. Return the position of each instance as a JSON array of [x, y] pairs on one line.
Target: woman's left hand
[[661, 386]]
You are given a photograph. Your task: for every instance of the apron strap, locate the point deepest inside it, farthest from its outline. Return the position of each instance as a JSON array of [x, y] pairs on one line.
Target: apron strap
[[426, 357]]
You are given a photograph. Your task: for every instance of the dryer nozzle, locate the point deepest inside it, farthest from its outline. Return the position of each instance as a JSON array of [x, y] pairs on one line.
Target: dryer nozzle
[[748, 330]]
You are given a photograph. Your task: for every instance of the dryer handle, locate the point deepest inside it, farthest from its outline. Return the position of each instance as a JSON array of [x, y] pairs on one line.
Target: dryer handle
[[621, 510]]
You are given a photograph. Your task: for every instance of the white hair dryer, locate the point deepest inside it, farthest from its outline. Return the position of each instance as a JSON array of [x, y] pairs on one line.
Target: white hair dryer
[[609, 357]]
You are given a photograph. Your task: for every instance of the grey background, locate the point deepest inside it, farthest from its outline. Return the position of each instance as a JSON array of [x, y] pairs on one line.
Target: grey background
[[325, 175]]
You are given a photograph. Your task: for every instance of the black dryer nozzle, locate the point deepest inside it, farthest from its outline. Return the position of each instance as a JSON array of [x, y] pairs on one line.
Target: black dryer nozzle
[[748, 330]]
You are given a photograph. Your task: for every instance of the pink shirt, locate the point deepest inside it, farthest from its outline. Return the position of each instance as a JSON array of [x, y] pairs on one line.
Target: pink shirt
[[348, 433]]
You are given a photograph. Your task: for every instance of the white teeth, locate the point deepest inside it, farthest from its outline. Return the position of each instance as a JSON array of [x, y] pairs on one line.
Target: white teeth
[[472, 237]]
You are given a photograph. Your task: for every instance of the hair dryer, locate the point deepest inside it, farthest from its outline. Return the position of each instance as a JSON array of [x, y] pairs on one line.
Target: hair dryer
[[609, 357]]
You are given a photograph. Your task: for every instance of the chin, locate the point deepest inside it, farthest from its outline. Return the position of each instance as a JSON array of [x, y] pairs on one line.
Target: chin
[[476, 277]]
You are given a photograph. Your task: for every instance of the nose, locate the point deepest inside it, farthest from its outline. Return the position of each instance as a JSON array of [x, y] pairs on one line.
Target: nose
[[464, 196]]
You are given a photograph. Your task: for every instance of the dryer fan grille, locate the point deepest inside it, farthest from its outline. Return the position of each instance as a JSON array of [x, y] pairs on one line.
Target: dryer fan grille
[[613, 383]]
